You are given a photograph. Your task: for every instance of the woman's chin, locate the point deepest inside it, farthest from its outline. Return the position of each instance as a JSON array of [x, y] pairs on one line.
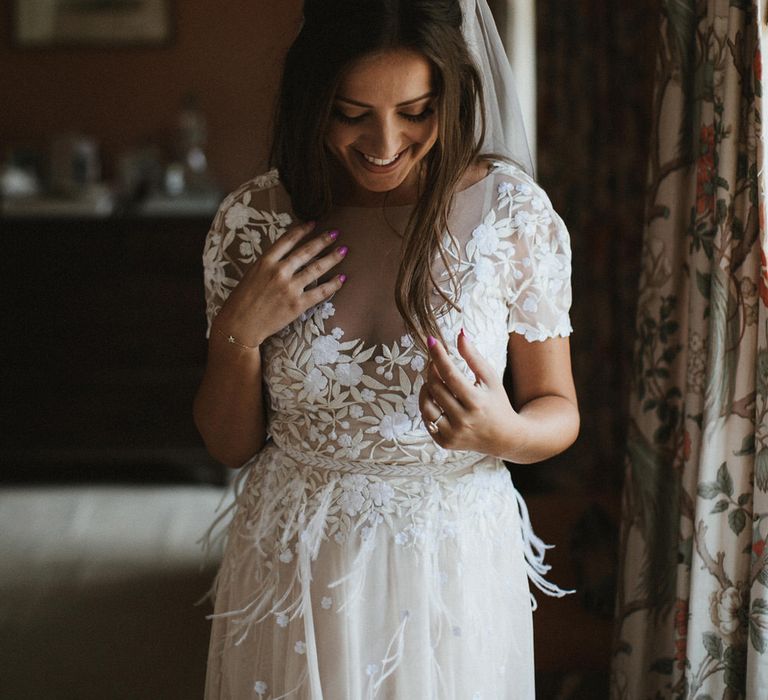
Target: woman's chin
[[379, 183], [378, 186], [368, 179]]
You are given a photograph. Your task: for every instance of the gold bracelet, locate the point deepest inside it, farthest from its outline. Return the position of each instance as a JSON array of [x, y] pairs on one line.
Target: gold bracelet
[[231, 339]]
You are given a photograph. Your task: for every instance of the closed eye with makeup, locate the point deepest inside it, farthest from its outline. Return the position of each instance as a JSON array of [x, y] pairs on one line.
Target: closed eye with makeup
[[339, 112]]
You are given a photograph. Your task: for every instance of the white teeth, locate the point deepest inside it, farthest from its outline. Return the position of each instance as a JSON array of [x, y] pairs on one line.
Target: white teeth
[[379, 161]]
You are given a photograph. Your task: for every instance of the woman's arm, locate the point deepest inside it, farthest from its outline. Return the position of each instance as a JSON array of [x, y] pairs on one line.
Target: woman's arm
[[544, 397], [541, 420], [228, 409]]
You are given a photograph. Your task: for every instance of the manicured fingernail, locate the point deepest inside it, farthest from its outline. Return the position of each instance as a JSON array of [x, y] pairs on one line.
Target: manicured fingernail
[[342, 250], [431, 342], [342, 278], [333, 235], [464, 333]]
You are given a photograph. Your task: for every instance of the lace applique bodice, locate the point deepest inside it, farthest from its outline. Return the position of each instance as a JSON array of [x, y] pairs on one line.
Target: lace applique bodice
[[336, 395]]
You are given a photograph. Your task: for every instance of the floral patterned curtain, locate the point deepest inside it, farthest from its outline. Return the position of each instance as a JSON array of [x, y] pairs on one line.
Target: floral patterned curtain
[[692, 599]]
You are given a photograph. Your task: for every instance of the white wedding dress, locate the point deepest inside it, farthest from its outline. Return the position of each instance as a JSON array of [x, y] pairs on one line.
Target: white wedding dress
[[362, 560]]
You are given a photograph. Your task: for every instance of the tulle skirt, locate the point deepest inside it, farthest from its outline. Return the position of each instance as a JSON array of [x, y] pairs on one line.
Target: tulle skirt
[[360, 584]]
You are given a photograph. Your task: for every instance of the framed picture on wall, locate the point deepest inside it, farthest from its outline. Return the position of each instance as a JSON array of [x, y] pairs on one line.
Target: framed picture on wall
[[39, 23]]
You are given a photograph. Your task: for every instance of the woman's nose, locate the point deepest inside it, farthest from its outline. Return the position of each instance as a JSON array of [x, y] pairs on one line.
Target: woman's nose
[[385, 139]]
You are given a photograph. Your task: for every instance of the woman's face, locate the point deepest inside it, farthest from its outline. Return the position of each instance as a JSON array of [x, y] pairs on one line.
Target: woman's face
[[384, 121]]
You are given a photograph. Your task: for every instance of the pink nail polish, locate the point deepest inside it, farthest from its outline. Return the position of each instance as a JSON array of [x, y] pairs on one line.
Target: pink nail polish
[[464, 333], [431, 342], [333, 235], [342, 278], [342, 250]]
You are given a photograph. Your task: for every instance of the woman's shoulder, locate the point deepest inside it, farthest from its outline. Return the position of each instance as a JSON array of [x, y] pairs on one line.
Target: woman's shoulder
[[264, 186], [505, 171], [263, 181], [504, 176], [519, 190], [511, 204], [263, 197]]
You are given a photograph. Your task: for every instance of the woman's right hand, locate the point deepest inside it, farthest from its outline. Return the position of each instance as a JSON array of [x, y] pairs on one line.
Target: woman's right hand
[[273, 291]]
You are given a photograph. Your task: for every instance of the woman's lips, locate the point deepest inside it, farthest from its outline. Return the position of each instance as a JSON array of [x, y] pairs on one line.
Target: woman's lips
[[372, 167]]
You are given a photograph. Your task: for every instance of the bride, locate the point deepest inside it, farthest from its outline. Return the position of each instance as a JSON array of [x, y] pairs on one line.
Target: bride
[[364, 298]]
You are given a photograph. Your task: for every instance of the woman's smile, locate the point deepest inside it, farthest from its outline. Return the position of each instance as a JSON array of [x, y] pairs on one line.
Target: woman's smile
[[383, 123], [382, 161], [381, 165]]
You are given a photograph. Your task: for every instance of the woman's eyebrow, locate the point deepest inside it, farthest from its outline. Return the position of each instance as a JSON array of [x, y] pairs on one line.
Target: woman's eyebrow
[[400, 104]]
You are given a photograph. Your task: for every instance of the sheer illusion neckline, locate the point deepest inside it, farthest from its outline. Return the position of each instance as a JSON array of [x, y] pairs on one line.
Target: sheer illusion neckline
[[460, 194]]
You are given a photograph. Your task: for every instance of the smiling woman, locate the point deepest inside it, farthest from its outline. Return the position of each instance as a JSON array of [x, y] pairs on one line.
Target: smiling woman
[[382, 125], [377, 546]]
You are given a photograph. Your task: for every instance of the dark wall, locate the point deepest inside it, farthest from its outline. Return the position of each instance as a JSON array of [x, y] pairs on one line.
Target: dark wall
[[227, 53], [595, 80], [595, 83]]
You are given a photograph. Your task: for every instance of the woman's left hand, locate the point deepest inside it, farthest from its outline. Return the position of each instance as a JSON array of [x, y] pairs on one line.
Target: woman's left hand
[[461, 415]]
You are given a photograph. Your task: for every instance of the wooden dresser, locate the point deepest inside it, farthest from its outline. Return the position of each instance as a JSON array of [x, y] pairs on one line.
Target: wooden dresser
[[103, 348]]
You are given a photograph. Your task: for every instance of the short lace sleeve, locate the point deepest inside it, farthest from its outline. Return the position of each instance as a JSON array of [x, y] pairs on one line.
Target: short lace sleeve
[[538, 275], [247, 222]]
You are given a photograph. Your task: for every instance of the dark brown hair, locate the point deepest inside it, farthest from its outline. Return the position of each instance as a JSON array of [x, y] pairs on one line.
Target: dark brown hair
[[335, 34]]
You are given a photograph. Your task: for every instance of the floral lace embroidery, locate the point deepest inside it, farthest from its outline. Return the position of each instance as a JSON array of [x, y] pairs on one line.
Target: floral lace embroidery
[[326, 398], [358, 503], [338, 397]]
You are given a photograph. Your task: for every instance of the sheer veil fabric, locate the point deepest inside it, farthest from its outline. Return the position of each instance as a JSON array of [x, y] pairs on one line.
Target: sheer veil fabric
[[505, 131], [362, 560]]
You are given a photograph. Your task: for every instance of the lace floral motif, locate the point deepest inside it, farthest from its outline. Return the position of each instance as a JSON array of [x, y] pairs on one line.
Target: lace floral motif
[[236, 238], [358, 502], [538, 289], [336, 396], [340, 398], [520, 259]]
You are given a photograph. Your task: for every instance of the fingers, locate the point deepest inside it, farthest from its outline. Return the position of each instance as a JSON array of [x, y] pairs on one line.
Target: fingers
[[317, 268], [323, 291], [299, 265], [287, 242], [302, 262], [438, 392], [431, 409], [457, 384], [433, 415], [306, 253], [481, 368]]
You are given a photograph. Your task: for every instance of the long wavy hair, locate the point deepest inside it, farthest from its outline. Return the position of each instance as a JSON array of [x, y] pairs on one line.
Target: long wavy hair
[[336, 34]]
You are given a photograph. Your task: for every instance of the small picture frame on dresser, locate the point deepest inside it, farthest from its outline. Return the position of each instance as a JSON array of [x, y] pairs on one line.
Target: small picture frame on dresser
[[95, 23]]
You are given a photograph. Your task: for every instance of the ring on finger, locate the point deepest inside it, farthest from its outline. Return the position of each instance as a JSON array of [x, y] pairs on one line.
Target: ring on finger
[[433, 426]]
